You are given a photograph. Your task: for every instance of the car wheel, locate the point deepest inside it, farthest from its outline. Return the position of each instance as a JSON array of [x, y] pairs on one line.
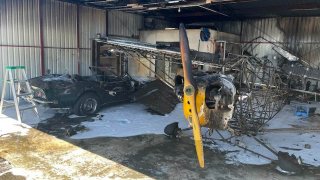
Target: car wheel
[[87, 104]]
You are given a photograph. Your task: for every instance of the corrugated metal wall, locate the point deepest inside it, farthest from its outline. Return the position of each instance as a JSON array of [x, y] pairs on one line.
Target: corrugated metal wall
[[60, 37], [62, 48], [233, 27], [19, 35], [92, 21], [63, 51], [299, 35], [124, 24]]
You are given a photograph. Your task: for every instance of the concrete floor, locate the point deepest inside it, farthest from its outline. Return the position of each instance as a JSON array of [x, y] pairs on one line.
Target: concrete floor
[[40, 155]]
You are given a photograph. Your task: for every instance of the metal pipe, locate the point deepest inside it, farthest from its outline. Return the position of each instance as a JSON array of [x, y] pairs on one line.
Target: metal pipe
[[45, 47], [307, 92], [107, 23], [42, 61], [78, 39], [211, 10], [223, 44], [264, 145], [43, 102], [140, 46], [303, 91]]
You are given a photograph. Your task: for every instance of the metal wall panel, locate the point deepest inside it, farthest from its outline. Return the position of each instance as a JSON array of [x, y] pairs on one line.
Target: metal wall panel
[[19, 36], [91, 22], [124, 24], [298, 35], [60, 37], [19, 22], [61, 61], [85, 62], [233, 27], [60, 24]]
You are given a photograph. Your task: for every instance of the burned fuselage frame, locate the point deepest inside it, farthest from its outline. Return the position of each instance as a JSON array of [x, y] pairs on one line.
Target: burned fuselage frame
[[259, 93]]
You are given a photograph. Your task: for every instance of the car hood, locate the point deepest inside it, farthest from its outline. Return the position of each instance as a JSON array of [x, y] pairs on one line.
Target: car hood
[[51, 81]]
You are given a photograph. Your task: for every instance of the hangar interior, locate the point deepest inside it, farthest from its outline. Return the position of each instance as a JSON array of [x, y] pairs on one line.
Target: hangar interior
[[159, 89]]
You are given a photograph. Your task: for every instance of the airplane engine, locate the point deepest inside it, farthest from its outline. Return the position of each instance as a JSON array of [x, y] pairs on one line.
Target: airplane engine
[[217, 107]]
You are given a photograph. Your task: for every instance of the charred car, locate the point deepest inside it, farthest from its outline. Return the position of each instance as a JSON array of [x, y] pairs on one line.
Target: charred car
[[83, 95]]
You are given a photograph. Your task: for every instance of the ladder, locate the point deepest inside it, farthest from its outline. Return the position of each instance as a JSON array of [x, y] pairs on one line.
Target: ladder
[[17, 77]]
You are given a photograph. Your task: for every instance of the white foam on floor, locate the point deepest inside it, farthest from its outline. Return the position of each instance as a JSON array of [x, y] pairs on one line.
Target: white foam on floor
[[129, 120], [132, 119], [9, 123]]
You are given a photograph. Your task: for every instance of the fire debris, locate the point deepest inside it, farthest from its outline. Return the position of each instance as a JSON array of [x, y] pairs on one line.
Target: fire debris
[[157, 96]]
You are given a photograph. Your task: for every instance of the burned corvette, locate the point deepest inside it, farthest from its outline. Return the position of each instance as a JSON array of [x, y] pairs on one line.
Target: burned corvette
[[83, 95]]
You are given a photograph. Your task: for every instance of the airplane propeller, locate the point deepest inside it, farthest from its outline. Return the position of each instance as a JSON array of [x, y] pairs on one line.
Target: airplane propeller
[[190, 93]]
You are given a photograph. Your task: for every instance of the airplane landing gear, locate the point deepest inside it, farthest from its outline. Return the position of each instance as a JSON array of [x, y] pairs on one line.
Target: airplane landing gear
[[173, 131]]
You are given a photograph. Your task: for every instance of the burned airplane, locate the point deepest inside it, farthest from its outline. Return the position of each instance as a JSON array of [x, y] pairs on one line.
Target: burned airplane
[[208, 100], [239, 92]]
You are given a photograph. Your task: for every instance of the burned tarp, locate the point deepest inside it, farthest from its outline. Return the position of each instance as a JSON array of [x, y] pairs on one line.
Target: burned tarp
[[157, 96]]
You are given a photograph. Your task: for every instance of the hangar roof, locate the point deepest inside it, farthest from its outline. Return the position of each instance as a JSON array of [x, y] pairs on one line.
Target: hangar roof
[[208, 10]]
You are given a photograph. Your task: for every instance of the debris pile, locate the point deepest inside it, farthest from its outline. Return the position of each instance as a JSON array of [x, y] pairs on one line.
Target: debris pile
[[157, 96]]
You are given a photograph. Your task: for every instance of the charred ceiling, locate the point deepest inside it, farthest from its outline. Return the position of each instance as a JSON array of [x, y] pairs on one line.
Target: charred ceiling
[[208, 10]]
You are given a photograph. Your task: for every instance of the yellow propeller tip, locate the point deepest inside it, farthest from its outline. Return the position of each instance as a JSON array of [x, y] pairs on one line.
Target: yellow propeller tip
[[201, 162]]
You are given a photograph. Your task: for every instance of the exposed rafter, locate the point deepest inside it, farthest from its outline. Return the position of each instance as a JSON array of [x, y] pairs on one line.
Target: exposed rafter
[[204, 10]]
